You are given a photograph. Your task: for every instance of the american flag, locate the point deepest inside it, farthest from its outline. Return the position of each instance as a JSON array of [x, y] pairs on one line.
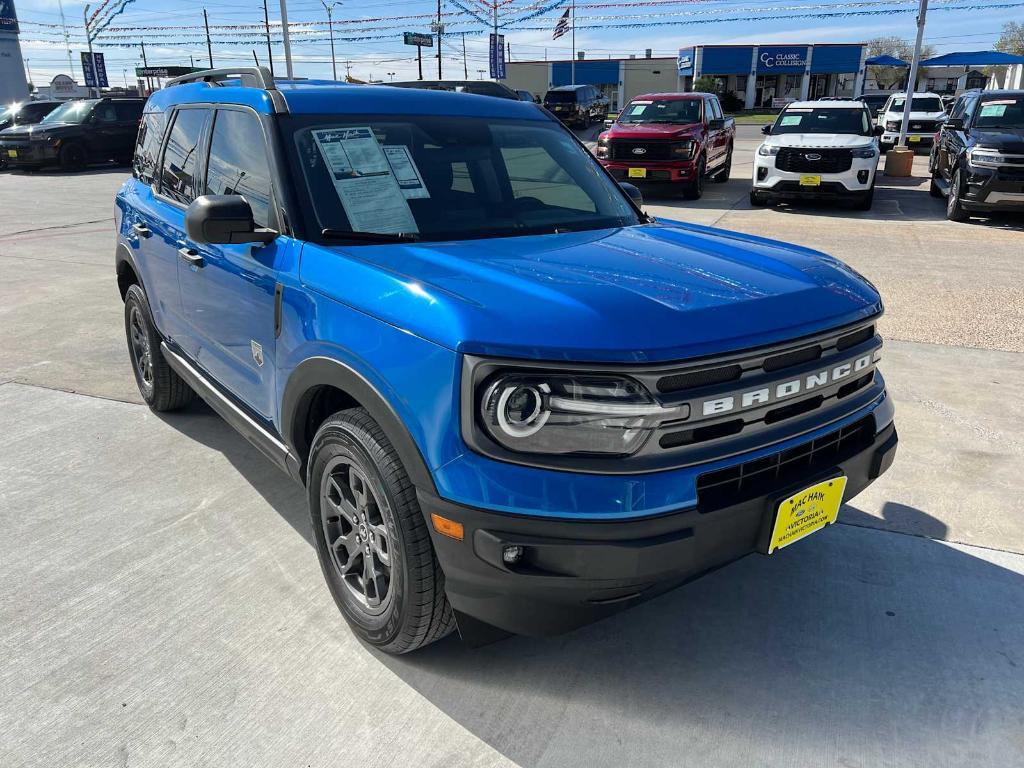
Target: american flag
[[562, 26]]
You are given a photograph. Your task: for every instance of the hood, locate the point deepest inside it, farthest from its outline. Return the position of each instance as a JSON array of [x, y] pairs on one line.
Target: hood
[[819, 140], [898, 115], [657, 292], [651, 130], [1008, 140], [39, 129]]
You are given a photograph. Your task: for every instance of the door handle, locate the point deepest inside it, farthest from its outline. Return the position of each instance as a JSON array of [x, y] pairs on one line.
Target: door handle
[[191, 256], [141, 230]]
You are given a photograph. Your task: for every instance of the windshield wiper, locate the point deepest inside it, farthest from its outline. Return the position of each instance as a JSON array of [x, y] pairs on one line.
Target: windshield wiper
[[370, 237]]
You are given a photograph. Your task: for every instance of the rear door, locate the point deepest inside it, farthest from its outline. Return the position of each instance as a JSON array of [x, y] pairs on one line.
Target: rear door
[[717, 138], [128, 113], [229, 297]]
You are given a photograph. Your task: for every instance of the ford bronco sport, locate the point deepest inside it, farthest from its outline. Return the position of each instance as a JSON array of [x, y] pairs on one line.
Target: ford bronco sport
[[517, 403]]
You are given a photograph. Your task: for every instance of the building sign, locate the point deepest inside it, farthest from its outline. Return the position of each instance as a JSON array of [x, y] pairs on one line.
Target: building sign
[[782, 58], [497, 56], [63, 86], [141, 72], [418, 38], [685, 61], [8, 16]]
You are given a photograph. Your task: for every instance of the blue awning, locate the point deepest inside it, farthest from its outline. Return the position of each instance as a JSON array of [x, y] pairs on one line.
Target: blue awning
[[973, 59], [885, 61]]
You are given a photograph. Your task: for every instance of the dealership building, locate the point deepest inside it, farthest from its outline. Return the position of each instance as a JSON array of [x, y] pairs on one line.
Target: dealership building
[[759, 76]]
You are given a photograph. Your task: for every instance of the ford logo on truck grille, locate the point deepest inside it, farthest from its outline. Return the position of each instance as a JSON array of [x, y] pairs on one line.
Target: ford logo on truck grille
[[813, 156], [639, 151]]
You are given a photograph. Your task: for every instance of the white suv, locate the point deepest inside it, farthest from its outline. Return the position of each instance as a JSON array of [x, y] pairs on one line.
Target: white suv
[[818, 149], [926, 115]]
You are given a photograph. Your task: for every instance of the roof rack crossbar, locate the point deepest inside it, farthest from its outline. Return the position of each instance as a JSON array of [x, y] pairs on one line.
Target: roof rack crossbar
[[251, 77]]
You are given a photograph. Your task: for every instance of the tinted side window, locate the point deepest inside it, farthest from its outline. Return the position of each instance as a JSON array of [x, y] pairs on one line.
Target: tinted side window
[[716, 108], [105, 113], [128, 110], [238, 162], [181, 158], [151, 135]]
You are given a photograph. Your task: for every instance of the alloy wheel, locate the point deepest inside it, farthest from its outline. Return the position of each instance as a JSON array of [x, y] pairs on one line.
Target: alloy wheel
[[142, 353]]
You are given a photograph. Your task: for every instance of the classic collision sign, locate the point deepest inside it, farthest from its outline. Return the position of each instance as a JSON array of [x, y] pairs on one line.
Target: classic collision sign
[[792, 58]]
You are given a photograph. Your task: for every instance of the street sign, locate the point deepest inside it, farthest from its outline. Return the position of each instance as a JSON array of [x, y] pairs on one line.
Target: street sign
[[88, 70], [497, 56], [418, 38], [101, 70]]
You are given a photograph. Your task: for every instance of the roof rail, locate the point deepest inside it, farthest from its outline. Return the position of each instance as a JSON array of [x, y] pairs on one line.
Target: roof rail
[[251, 77]]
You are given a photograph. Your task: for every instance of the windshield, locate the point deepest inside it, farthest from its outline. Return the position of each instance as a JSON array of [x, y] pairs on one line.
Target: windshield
[[71, 112], [920, 104], [823, 120], [560, 97], [1001, 112], [451, 178], [679, 111]]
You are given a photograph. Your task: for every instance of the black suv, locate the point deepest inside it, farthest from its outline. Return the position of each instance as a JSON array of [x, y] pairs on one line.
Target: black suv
[[75, 134], [977, 159], [577, 104]]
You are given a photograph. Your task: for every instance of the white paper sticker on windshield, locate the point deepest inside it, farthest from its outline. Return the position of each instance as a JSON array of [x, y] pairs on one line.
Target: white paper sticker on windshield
[[406, 173], [993, 110], [791, 120], [639, 107], [364, 182]]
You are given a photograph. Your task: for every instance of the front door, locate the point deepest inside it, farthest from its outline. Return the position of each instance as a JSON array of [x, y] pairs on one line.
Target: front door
[[229, 295]]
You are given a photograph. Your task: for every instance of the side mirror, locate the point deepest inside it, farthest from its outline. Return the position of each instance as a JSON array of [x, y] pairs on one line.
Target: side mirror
[[878, 130], [633, 192], [954, 123], [223, 220], [766, 129]]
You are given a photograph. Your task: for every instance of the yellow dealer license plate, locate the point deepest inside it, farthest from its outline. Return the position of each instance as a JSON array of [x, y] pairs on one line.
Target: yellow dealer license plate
[[810, 180], [912, 139], [12, 153], [808, 511], [638, 173]]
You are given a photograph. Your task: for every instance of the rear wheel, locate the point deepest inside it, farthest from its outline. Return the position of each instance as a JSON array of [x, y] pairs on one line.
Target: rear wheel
[[371, 537], [954, 207], [722, 174], [159, 385]]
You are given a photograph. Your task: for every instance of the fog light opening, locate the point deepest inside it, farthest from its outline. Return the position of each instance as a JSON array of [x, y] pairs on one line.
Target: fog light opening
[[512, 554]]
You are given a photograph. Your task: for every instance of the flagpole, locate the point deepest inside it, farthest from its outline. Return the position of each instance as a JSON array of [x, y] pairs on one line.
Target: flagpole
[[573, 67]]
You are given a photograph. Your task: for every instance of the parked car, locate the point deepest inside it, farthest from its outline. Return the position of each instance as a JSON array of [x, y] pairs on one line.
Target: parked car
[[818, 150], [926, 112], [517, 403], [75, 134], [527, 96], [479, 87], [977, 160], [21, 114], [676, 138], [875, 103], [578, 105]]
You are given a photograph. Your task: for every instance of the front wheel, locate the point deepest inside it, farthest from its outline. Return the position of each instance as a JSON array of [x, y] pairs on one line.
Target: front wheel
[[372, 540], [954, 207], [696, 189], [933, 186], [72, 157], [758, 199], [866, 200]]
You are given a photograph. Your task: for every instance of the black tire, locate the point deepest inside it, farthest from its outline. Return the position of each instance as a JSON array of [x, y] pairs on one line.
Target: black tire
[[722, 174], [757, 199], [695, 190], [159, 385], [72, 156], [954, 208], [933, 188], [866, 200], [884, 147], [359, 495]]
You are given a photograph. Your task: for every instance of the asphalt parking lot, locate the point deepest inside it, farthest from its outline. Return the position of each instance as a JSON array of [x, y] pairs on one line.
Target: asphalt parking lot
[[162, 604]]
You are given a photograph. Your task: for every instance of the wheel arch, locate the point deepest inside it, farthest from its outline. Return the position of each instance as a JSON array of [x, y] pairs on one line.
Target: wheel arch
[[320, 386], [128, 273]]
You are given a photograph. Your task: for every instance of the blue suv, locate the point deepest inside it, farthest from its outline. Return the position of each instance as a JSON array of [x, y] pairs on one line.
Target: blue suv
[[517, 403]]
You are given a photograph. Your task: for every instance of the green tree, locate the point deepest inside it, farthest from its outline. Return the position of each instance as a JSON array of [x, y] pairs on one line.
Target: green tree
[[706, 84], [890, 77], [1012, 39]]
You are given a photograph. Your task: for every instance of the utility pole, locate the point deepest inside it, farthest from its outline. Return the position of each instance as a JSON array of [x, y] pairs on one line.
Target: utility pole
[[255, 58], [573, 66], [465, 66], [286, 40], [67, 39], [495, 46], [209, 46], [330, 26], [922, 12], [266, 26], [419, 59], [92, 61], [149, 81], [440, 31]]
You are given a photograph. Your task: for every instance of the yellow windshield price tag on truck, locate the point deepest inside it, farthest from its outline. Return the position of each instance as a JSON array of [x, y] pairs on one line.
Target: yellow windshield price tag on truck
[[808, 511]]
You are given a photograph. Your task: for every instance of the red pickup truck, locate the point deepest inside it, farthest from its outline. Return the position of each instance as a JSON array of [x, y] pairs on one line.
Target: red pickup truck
[[681, 138]]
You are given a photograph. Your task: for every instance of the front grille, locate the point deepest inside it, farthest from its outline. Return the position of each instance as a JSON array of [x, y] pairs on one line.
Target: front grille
[[761, 477], [702, 378], [812, 160], [652, 150], [922, 126], [855, 338]]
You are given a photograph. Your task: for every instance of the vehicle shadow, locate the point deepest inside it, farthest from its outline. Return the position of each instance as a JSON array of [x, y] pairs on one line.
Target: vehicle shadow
[[856, 647]]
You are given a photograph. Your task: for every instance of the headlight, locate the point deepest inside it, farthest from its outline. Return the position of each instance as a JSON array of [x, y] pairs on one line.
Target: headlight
[[986, 157], [893, 125], [865, 152], [683, 149], [765, 151], [565, 414], [602, 146]]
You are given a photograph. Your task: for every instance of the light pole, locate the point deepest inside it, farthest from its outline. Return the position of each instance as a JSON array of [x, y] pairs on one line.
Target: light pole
[[392, 76], [124, 74], [480, 72], [286, 40], [330, 27]]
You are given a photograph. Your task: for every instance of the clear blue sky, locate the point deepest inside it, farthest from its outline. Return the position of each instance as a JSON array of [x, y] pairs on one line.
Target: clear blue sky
[[947, 31]]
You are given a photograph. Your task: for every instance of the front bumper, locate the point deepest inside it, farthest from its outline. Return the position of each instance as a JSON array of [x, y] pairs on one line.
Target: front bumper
[[994, 189], [28, 153], [850, 183], [914, 140], [663, 171], [572, 573]]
